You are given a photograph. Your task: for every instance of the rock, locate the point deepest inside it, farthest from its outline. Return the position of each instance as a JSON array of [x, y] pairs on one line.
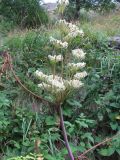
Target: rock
[[114, 42], [50, 7]]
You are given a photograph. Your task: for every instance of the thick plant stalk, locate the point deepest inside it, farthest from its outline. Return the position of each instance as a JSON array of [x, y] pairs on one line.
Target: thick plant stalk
[[65, 134]]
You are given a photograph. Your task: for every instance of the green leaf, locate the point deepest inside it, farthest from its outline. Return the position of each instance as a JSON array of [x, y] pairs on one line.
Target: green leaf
[[100, 116], [118, 151], [88, 136], [114, 126], [3, 100], [82, 124], [107, 152], [67, 112], [74, 103], [50, 120]]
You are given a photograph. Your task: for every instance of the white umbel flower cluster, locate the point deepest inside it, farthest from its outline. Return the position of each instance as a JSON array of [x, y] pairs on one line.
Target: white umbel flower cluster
[[56, 83], [44, 86], [76, 83], [76, 66], [73, 83], [58, 42], [73, 29], [78, 53], [50, 82], [63, 21], [75, 33], [58, 86], [63, 2], [55, 58], [40, 75], [80, 75]]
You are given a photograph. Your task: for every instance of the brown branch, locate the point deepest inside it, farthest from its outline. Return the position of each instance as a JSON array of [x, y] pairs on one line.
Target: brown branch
[[8, 61], [84, 158], [99, 144]]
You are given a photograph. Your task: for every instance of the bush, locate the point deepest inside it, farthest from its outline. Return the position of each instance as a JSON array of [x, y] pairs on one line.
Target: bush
[[27, 13]]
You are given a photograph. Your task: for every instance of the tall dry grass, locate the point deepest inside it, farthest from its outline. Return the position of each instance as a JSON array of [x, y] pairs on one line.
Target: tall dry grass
[[108, 24]]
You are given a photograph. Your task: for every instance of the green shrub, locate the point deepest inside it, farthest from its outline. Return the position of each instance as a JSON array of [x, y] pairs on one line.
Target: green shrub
[[27, 13], [6, 26]]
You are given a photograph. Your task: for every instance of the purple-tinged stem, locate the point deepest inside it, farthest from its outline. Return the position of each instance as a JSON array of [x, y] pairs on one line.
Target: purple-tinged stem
[[65, 134]]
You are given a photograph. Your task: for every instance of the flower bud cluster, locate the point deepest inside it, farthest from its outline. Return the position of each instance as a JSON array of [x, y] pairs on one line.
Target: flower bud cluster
[[55, 58], [76, 83], [58, 42], [73, 83], [76, 66], [40, 75], [80, 75], [78, 53]]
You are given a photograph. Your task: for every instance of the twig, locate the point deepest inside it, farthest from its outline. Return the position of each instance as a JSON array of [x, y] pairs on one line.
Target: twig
[[97, 145], [8, 60], [84, 157]]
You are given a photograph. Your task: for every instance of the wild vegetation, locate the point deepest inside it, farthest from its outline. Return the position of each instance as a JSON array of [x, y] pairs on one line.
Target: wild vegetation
[[30, 128]]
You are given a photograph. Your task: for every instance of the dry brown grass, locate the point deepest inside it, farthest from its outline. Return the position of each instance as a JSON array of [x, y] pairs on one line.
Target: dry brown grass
[[107, 24]]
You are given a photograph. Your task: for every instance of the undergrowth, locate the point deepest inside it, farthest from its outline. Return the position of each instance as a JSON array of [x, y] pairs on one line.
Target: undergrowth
[[27, 126]]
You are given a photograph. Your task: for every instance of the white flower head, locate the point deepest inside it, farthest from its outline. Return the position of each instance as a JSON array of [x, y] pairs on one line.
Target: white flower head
[[80, 75], [53, 84], [55, 58], [56, 82], [64, 44], [52, 77], [75, 33], [81, 32], [73, 27], [44, 86], [52, 39], [74, 30], [78, 53], [59, 58], [63, 21], [76, 83], [58, 85], [58, 42], [76, 65], [40, 75]]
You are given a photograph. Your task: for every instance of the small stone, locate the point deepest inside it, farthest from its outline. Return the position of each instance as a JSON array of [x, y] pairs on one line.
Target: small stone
[[115, 42]]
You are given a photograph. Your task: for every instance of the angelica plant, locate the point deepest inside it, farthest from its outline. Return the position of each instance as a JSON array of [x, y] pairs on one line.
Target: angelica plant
[[60, 83]]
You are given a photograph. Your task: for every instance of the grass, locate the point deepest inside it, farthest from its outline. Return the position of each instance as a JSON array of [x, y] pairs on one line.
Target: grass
[[100, 27], [106, 24]]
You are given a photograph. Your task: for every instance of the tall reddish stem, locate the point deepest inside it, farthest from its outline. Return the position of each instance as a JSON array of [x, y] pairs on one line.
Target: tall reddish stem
[[65, 134]]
